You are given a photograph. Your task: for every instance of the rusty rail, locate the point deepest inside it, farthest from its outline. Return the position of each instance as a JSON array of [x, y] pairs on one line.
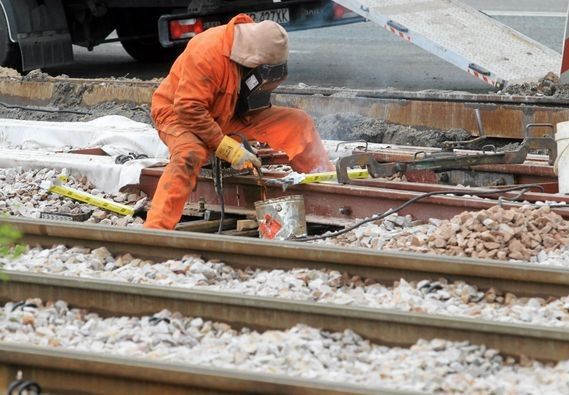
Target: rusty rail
[[336, 204], [60, 371], [504, 116], [385, 267], [114, 375], [382, 326]]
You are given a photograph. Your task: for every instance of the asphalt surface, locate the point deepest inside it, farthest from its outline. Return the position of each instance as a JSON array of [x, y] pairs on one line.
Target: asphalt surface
[[360, 55]]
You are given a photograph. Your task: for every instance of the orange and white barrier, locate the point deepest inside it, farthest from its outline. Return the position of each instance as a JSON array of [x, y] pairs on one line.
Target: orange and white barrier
[[565, 62]]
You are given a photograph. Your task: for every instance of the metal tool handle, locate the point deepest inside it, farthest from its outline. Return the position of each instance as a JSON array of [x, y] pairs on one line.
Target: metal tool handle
[[417, 154], [343, 164], [244, 141], [352, 142], [479, 122]]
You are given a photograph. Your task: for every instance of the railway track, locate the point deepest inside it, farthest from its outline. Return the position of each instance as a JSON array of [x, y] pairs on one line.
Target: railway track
[[384, 327], [66, 369], [339, 204], [61, 371], [381, 326], [386, 267], [504, 116]]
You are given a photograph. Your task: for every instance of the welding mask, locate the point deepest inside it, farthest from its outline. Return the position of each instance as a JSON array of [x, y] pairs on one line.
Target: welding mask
[[257, 86]]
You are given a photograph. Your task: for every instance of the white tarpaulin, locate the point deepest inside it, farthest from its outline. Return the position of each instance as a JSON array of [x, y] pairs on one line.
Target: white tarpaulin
[[37, 141], [115, 134]]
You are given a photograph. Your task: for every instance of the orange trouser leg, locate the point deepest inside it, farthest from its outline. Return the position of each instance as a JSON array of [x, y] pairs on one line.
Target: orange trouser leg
[[187, 155], [289, 130]]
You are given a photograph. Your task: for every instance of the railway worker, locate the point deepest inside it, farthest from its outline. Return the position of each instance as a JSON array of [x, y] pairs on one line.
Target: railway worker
[[194, 109]]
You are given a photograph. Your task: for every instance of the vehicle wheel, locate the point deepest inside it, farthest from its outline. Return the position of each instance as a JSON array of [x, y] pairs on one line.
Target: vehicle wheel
[[144, 49], [9, 52]]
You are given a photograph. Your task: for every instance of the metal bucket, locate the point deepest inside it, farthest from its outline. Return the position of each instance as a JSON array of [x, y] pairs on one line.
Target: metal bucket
[[281, 218]]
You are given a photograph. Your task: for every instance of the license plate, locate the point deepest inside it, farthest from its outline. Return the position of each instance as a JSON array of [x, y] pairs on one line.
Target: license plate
[[279, 15]]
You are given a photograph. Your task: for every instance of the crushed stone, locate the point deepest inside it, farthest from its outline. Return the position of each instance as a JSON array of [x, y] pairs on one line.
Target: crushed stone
[[439, 297], [432, 366], [21, 195], [497, 233]]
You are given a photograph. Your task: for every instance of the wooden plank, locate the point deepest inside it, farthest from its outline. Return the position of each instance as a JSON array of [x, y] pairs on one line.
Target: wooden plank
[[204, 226], [246, 224], [243, 233]]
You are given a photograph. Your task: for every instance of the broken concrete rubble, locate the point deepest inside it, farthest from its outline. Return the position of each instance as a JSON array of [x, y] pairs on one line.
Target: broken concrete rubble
[[547, 86], [523, 234], [496, 233]]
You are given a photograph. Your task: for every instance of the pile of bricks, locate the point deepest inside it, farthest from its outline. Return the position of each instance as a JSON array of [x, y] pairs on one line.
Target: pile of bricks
[[496, 233]]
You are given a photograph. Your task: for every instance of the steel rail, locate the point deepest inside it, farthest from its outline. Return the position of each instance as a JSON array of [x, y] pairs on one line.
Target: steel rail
[[337, 202], [67, 371], [389, 327], [341, 205], [522, 279], [427, 95], [59, 370], [430, 95], [504, 116]]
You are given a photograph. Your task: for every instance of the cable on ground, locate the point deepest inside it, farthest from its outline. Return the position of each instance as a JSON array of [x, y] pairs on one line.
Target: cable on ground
[[218, 184], [376, 217]]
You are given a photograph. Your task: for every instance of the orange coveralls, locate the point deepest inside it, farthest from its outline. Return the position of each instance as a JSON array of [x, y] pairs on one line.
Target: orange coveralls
[[193, 108]]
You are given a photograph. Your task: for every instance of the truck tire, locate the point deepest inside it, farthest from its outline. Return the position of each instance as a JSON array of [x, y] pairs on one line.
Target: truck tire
[[9, 51], [144, 49]]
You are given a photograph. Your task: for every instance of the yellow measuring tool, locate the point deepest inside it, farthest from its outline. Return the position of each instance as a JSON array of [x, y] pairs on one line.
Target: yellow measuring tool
[[311, 178], [331, 176], [56, 186]]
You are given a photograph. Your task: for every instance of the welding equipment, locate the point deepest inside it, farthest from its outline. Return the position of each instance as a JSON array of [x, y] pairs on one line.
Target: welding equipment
[[257, 86]]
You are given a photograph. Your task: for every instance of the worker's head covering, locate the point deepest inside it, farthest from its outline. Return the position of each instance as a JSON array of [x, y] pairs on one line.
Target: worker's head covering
[[255, 44]]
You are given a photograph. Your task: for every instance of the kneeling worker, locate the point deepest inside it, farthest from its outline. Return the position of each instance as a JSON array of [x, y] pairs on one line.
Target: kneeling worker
[[196, 107]]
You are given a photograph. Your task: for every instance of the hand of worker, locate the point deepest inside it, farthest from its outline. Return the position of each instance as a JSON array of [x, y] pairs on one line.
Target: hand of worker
[[233, 152]]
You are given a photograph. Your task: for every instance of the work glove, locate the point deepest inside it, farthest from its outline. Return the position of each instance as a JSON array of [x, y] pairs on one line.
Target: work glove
[[235, 153]]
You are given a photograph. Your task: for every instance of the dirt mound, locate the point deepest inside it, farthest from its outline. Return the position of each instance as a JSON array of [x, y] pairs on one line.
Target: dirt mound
[[351, 126], [66, 104], [549, 86], [140, 113]]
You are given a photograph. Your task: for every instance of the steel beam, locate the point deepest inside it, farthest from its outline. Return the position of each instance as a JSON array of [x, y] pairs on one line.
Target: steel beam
[[340, 203]]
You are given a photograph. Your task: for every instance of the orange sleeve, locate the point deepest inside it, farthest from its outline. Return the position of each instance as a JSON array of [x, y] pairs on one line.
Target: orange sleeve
[[194, 97]]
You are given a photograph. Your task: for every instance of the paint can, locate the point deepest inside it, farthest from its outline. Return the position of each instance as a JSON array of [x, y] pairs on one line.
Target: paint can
[[281, 218]]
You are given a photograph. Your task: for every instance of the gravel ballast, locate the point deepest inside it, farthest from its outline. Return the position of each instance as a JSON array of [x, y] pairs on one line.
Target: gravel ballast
[[432, 296], [437, 365]]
